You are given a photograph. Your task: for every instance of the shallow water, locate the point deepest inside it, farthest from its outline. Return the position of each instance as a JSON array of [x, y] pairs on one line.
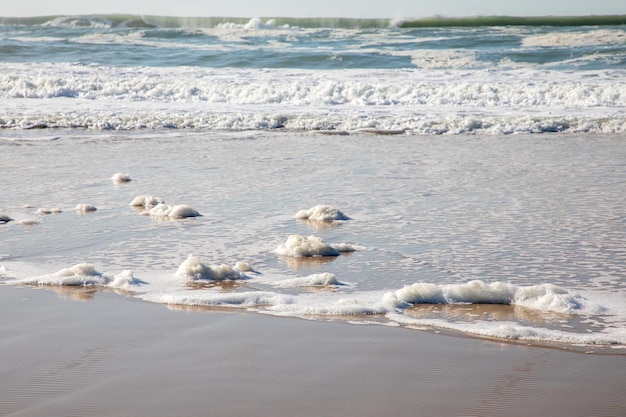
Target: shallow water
[[525, 211]]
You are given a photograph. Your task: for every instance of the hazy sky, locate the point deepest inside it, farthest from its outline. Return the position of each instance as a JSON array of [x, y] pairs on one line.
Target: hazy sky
[[314, 8]]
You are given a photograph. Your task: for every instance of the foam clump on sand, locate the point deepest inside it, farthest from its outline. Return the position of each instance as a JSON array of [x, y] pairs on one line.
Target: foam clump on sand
[[84, 274], [550, 297], [194, 270], [5, 218], [120, 178], [44, 211], [324, 279], [85, 208], [244, 267], [343, 247], [146, 201], [176, 212], [321, 213], [298, 246], [544, 297], [125, 279]]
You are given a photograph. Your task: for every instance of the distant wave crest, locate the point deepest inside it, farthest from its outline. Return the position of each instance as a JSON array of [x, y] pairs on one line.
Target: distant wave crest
[[120, 20]]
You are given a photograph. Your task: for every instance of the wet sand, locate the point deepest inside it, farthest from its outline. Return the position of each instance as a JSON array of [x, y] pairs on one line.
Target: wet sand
[[110, 355]]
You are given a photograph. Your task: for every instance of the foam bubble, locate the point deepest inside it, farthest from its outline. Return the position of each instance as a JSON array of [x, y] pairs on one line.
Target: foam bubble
[[244, 267], [194, 270], [418, 293], [550, 297], [44, 211], [125, 279], [85, 208], [120, 178], [80, 274], [146, 201], [175, 212], [343, 247], [83, 274], [301, 246], [321, 213]]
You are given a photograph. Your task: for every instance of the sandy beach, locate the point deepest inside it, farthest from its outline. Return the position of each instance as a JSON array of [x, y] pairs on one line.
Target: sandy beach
[[312, 217], [78, 353]]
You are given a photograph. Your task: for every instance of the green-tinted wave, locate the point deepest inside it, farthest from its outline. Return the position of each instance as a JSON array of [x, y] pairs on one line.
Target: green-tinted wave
[[516, 21]]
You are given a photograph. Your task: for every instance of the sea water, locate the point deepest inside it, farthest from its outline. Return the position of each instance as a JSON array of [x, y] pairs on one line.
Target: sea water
[[468, 178]]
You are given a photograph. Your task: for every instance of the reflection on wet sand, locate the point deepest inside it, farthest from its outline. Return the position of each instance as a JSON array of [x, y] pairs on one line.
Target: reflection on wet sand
[[225, 286], [80, 292], [72, 293], [487, 312]]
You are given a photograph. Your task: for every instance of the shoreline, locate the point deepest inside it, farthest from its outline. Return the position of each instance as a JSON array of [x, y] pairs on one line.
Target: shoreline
[[112, 355]]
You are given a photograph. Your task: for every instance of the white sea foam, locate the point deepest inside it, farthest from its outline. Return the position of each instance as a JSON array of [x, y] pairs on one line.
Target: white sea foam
[[84, 274], [315, 280], [44, 211], [306, 306], [244, 267], [307, 246], [549, 297], [174, 212], [120, 178], [146, 201], [124, 280], [254, 23], [80, 22], [375, 303], [208, 298], [543, 297], [343, 247], [322, 213], [85, 208], [515, 331], [194, 270], [573, 39], [420, 102], [306, 88]]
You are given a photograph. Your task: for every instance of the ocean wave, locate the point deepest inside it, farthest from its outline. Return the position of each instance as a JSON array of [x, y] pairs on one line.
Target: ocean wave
[[150, 21], [337, 102], [393, 88], [120, 20], [483, 21]]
